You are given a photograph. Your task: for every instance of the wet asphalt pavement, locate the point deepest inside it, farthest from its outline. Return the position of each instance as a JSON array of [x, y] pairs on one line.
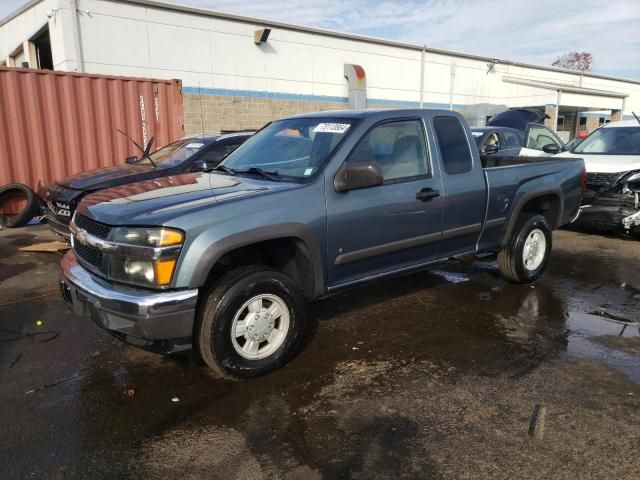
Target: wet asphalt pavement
[[433, 375]]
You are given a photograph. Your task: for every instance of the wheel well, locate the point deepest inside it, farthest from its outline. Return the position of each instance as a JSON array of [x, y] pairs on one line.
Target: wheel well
[[290, 255], [546, 205]]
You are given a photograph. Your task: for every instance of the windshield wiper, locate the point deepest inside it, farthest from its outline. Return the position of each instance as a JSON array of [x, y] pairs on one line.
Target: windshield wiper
[[227, 170], [268, 174], [145, 151]]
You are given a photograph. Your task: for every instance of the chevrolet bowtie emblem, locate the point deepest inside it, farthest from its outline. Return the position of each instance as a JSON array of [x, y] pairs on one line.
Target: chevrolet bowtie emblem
[[81, 237]]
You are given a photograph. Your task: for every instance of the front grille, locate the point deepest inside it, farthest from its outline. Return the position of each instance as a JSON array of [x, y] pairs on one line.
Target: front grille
[[89, 254], [92, 227]]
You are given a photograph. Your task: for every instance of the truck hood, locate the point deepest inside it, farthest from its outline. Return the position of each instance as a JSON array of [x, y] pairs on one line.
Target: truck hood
[[154, 202], [109, 177], [603, 163]]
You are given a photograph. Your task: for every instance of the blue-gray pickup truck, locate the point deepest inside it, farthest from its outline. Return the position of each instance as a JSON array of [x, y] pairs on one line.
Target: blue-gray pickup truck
[[223, 262]]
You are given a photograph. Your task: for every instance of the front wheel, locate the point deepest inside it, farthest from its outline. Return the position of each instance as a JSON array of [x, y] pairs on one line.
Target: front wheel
[[250, 323], [525, 257]]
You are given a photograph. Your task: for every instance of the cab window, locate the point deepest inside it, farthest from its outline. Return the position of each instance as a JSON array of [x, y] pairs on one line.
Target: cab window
[[398, 147], [454, 148]]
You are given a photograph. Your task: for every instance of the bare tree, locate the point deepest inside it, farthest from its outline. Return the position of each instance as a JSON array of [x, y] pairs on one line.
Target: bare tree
[[580, 61]]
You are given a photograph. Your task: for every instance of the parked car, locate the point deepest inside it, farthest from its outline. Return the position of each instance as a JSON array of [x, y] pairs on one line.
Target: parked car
[[612, 158], [517, 131], [498, 141], [582, 134], [193, 153], [311, 204]]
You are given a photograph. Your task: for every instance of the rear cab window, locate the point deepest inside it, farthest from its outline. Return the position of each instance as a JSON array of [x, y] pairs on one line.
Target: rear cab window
[[453, 144]]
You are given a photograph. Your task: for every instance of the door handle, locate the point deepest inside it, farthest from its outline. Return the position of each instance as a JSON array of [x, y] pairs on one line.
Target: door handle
[[427, 194]]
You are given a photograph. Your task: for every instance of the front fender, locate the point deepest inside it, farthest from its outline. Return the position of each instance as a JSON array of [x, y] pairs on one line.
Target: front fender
[[208, 256]]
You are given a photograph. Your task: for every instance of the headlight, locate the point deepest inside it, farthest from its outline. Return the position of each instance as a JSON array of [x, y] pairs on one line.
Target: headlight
[[148, 273], [145, 256], [152, 237]]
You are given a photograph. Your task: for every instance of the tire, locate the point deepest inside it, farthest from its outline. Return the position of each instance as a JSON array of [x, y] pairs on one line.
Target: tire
[[511, 259], [226, 304], [30, 210]]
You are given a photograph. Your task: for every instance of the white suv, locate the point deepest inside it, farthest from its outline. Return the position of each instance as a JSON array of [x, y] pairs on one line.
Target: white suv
[[612, 157]]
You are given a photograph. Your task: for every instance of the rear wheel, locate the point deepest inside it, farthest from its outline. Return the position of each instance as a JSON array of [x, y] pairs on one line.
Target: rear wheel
[[250, 323], [525, 257]]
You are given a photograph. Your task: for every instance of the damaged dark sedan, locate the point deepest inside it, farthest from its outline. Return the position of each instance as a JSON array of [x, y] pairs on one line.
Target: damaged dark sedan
[[190, 154], [612, 158]]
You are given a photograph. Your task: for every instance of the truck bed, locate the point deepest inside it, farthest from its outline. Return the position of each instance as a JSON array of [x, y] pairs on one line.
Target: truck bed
[[511, 160], [512, 180]]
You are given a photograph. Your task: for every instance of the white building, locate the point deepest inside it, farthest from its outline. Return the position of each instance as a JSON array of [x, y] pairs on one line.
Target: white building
[[243, 84]]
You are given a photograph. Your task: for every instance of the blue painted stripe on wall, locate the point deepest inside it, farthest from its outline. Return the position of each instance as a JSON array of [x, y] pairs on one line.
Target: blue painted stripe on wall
[[310, 98], [258, 94]]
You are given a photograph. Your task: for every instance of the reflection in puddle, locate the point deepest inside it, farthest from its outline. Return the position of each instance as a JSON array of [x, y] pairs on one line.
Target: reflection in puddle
[[584, 330], [453, 277]]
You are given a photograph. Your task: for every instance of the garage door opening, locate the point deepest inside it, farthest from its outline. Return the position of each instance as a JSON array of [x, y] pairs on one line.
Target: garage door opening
[[42, 44]]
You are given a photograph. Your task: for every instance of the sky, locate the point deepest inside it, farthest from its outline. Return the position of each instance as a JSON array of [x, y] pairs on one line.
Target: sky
[[519, 30]]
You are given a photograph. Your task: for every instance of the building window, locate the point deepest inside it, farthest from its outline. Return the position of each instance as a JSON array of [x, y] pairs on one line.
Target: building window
[[583, 121], [560, 125]]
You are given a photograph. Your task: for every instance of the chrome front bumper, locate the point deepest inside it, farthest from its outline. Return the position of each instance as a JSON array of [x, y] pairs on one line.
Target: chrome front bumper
[[157, 321]]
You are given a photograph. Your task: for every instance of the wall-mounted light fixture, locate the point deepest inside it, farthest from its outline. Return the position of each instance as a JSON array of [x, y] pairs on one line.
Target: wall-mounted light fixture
[[261, 36]]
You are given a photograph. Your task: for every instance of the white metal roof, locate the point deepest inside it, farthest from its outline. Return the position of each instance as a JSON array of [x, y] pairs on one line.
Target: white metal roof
[[331, 33]]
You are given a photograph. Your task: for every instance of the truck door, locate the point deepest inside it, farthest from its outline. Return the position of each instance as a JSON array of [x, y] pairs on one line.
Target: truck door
[[464, 187], [396, 225]]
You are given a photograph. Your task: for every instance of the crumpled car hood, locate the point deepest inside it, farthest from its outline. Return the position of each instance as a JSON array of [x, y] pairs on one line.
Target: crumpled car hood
[[109, 177], [606, 163]]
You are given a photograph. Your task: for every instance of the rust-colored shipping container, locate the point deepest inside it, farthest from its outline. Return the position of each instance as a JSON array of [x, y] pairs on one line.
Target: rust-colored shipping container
[[54, 124]]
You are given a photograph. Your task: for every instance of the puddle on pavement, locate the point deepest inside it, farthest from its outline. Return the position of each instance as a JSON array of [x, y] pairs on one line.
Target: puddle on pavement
[[585, 334], [462, 320]]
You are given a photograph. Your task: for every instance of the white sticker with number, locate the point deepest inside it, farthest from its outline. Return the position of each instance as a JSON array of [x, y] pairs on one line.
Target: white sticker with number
[[332, 128]]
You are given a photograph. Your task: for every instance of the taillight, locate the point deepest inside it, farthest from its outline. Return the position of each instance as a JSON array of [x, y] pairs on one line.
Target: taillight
[[584, 182]]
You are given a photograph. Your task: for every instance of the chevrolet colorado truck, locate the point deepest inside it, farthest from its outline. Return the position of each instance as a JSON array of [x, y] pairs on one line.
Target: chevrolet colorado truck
[[224, 261]]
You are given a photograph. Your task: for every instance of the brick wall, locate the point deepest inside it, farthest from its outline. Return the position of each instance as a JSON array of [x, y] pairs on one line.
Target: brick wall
[[592, 123], [220, 112]]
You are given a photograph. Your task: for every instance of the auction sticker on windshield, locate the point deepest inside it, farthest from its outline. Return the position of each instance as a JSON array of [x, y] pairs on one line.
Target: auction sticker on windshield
[[331, 128]]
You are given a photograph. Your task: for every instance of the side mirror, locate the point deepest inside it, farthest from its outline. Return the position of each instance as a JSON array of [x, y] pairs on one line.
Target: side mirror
[[633, 183], [358, 175], [131, 160], [491, 149], [202, 166], [551, 148]]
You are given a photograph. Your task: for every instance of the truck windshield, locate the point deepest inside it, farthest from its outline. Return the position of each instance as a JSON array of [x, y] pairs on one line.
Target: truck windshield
[[174, 153], [612, 141], [293, 148]]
